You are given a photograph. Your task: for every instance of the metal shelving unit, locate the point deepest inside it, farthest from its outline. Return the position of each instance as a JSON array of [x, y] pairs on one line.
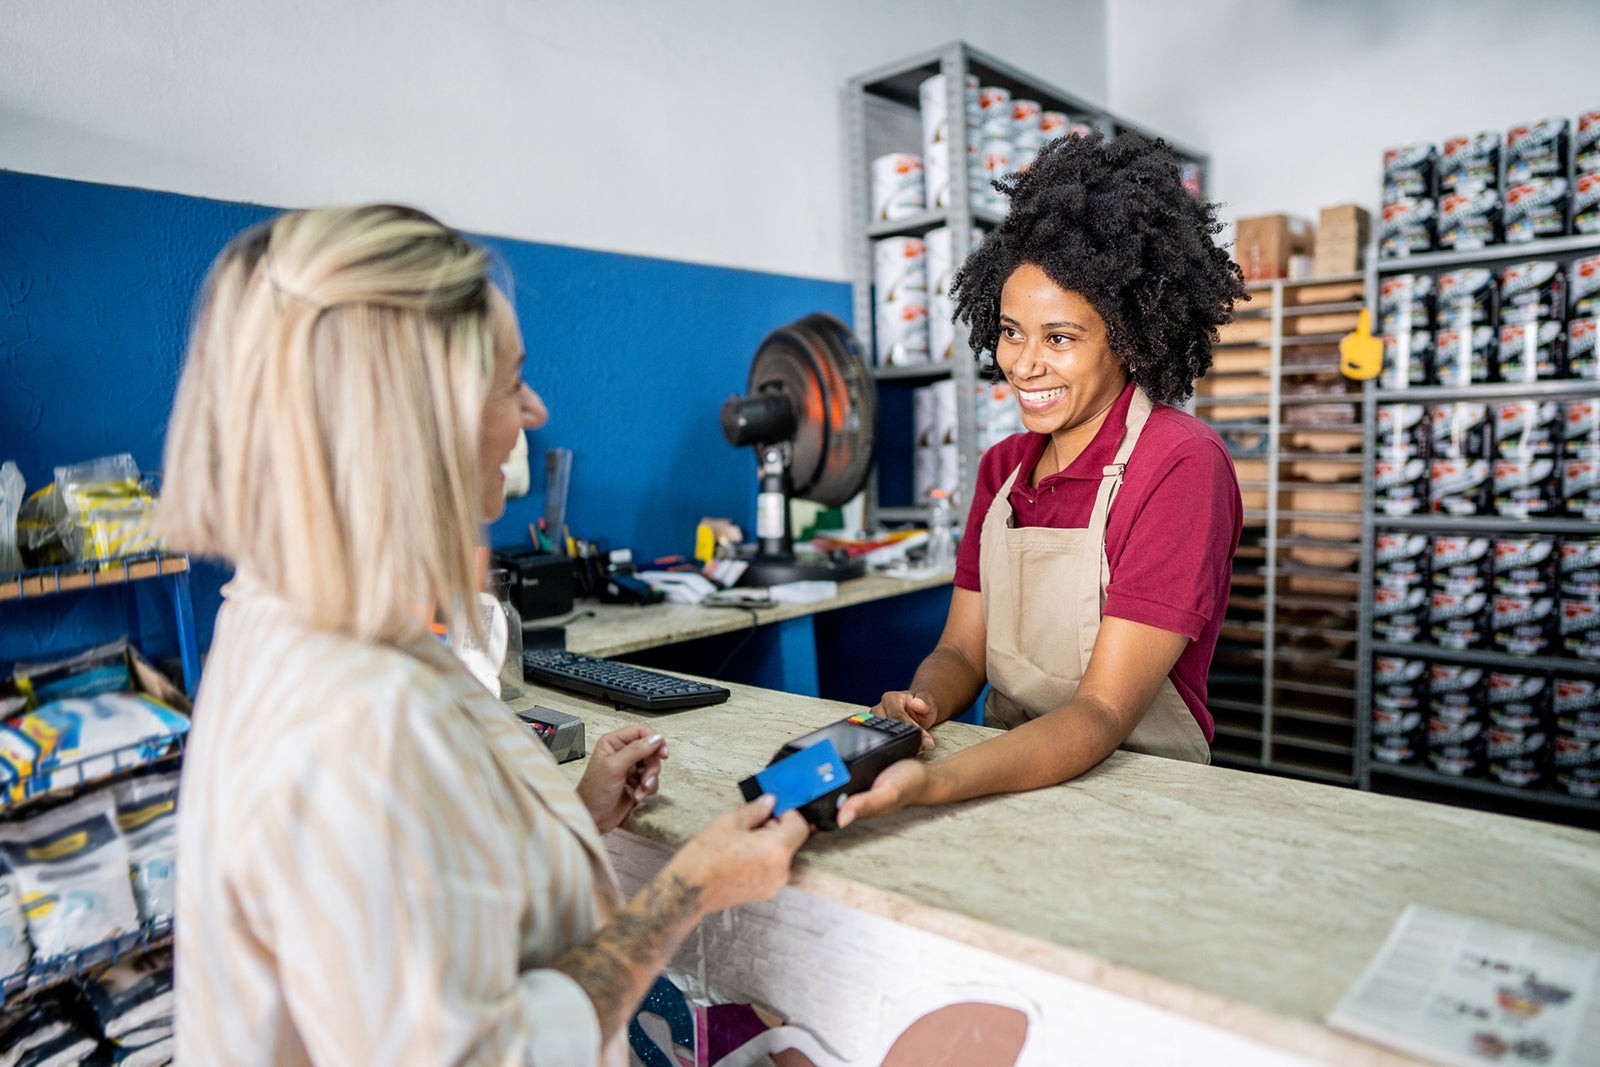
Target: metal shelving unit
[[882, 115], [1461, 790], [1282, 681]]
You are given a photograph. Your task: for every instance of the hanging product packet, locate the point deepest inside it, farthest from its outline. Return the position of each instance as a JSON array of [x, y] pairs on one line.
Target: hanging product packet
[[147, 814], [101, 669], [72, 866], [68, 742]]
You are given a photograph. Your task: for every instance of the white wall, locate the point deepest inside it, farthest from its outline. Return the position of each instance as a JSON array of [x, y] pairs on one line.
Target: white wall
[[1295, 100], [701, 130]]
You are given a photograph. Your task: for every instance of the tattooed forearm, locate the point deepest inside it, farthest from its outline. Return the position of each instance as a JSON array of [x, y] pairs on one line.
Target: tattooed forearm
[[618, 966]]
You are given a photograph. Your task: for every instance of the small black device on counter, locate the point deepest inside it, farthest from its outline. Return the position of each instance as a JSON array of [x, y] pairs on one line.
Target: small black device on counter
[[561, 733], [541, 583], [620, 683], [867, 743]]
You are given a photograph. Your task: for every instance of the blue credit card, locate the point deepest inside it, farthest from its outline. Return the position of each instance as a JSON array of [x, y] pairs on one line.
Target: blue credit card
[[803, 776]]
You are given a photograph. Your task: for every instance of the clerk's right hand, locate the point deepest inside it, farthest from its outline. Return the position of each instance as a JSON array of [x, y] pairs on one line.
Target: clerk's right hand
[[742, 855], [902, 784], [907, 706]]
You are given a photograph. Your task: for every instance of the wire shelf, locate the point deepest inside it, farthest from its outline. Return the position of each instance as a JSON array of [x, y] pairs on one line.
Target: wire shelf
[[89, 574], [47, 974], [59, 782]]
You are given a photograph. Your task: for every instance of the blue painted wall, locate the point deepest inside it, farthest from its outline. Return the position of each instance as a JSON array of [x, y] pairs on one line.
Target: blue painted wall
[[633, 356]]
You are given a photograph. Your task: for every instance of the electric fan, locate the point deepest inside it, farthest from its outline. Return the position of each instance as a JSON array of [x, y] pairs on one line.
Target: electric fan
[[811, 411]]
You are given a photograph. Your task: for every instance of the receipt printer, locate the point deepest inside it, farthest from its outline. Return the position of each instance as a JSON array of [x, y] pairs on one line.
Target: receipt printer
[[561, 733], [541, 582], [864, 743]]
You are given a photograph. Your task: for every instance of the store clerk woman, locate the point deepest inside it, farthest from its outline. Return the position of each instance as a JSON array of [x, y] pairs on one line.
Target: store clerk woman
[[1093, 576]]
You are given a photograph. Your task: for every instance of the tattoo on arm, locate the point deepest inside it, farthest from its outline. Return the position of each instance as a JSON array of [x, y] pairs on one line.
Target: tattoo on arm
[[617, 968]]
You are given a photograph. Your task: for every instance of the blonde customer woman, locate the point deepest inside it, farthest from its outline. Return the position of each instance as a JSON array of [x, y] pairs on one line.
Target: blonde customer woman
[[379, 865]]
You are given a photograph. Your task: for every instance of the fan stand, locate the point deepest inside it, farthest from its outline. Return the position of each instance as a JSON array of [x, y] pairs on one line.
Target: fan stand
[[774, 562]]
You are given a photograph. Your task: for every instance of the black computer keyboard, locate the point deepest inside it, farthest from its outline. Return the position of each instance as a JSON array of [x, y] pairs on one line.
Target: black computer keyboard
[[620, 683]]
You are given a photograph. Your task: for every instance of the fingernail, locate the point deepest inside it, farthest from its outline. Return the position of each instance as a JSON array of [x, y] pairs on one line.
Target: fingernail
[[655, 738], [650, 782]]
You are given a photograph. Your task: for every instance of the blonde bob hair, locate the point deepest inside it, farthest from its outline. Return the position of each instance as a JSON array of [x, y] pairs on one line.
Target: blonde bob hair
[[325, 435]]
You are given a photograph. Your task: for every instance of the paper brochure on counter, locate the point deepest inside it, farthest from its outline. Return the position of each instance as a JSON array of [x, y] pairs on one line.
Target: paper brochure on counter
[[1455, 990]]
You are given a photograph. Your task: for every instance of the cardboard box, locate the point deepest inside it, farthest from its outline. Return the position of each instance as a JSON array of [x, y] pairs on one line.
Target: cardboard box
[[1345, 222], [1337, 257], [1263, 244]]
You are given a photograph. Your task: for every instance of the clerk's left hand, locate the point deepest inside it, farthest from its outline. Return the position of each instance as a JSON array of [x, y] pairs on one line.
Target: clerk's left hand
[[624, 768], [899, 785]]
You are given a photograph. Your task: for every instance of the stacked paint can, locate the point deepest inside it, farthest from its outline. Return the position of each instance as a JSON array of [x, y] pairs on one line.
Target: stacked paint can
[[941, 266], [938, 167], [896, 186], [935, 455], [900, 300], [994, 413]]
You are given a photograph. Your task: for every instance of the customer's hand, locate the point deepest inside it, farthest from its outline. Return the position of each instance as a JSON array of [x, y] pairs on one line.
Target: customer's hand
[[740, 856], [899, 785], [624, 768], [910, 707]]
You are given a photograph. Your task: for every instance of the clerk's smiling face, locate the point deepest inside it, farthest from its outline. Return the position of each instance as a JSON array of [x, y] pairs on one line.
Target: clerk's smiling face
[[1052, 348]]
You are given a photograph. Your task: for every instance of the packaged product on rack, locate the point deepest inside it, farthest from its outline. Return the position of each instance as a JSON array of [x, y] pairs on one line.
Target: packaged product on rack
[[901, 334], [1580, 626], [1400, 612], [71, 864], [1576, 745], [1054, 124], [936, 141], [1459, 610], [1471, 162], [1469, 218], [999, 158], [1536, 209], [941, 263], [1531, 352], [1407, 360], [1408, 172], [101, 669], [43, 528], [112, 512], [1527, 488], [15, 951], [131, 995], [1586, 203], [1464, 357], [1458, 742], [1469, 296], [1586, 143], [1525, 625], [69, 742], [1405, 302], [1524, 429], [1535, 291], [1538, 150], [1580, 463], [1460, 480], [1526, 566], [899, 269], [1521, 701], [994, 112], [45, 1033], [1407, 227], [1578, 572], [147, 815], [1581, 337], [1519, 757]]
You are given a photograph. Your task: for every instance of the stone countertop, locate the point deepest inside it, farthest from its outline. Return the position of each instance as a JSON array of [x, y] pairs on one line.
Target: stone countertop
[[616, 629], [1247, 901]]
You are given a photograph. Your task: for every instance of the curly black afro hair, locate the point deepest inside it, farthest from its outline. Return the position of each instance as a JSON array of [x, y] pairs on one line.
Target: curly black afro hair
[[1111, 221]]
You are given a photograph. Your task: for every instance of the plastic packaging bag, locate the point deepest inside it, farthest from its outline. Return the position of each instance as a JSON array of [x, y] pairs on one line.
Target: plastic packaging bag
[[147, 814], [42, 529], [111, 510], [132, 995], [101, 669], [15, 952], [72, 865], [96, 737], [13, 490]]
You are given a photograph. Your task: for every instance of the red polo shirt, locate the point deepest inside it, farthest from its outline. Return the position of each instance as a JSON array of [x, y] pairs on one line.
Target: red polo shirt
[[1170, 536]]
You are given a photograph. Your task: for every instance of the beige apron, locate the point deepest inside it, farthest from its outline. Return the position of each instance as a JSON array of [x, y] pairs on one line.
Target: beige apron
[[1041, 587]]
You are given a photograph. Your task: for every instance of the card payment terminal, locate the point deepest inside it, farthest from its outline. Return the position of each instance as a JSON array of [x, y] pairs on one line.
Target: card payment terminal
[[866, 743]]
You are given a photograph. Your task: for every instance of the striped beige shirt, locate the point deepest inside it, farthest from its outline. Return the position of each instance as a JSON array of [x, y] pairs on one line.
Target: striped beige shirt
[[377, 863]]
